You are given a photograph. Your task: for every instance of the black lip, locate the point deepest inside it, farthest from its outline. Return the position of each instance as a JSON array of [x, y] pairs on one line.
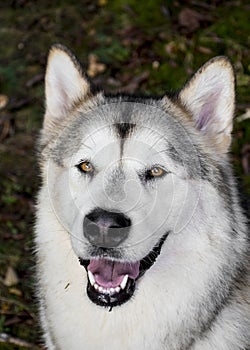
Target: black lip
[[124, 295], [150, 259], [114, 299]]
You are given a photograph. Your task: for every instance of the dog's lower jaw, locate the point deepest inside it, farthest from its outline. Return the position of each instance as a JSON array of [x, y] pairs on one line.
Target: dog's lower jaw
[[119, 295], [114, 298]]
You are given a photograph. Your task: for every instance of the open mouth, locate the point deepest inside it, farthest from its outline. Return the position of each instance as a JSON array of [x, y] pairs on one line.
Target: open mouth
[[112, 283]]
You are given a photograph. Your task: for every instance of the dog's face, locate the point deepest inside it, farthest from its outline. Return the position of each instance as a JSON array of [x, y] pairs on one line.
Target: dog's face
[[125, 174]]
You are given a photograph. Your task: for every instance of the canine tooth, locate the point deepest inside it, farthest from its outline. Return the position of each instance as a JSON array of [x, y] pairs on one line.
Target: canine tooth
[[91, 278], [124, 282], [117, 289]]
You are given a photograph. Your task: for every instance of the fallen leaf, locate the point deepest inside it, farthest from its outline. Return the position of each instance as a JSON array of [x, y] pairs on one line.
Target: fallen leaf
[[171, 48], [133, 85], [190, 19], [34, 80], [155, 65], [113, 82], [95, 67], [16, 292], [6, 126], [243, 116], [3, 101], [102, 2], [205, 50], [12, 321], [11, 278]]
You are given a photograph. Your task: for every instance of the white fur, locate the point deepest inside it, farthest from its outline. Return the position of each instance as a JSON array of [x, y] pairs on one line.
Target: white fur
[[163, 302], [164, 308], [209, 96], [64, 86]]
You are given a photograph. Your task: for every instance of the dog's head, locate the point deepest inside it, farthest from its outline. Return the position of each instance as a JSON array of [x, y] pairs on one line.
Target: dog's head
[[125, 174]]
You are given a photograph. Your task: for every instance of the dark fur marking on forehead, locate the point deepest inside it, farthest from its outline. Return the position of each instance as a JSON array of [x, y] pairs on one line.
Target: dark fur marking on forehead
[[124, 129], [174, 154], [198, 166]]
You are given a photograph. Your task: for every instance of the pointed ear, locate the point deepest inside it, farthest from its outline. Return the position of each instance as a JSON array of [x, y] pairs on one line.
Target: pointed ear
[[210, 98], [65, 85]]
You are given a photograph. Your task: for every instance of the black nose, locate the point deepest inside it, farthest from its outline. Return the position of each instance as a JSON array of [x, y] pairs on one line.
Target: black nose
[[106, 229]]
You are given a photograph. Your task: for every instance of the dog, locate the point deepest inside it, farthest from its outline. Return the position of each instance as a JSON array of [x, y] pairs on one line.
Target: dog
[[141, 242]]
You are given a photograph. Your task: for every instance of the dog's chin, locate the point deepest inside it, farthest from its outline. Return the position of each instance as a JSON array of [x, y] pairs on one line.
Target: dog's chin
[[111, 299], [110, 292]]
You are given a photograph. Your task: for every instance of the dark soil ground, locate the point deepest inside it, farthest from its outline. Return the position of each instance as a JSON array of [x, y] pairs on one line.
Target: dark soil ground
[[149, 46]]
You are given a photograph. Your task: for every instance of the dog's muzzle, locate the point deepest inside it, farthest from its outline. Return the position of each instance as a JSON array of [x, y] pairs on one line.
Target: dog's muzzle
[[113, 282], [106, 229]]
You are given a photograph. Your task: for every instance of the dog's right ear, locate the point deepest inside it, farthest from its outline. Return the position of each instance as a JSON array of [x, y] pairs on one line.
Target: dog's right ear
[[65, 85]]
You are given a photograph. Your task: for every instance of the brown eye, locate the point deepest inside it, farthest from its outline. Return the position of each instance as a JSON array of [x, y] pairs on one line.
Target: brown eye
[[86, 167], [156, 171]]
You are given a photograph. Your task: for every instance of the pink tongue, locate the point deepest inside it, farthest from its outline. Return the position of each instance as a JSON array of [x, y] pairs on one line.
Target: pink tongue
[[111, 273]]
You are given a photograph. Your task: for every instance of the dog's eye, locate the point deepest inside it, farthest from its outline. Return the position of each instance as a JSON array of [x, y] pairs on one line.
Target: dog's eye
[[156, 171], [85, 167]]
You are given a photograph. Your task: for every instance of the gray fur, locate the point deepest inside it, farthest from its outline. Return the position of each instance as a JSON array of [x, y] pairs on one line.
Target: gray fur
[[196, 294]]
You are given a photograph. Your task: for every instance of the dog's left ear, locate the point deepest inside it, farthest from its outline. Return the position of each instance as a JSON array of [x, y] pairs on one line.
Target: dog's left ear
[[210, 98], [65, 85]]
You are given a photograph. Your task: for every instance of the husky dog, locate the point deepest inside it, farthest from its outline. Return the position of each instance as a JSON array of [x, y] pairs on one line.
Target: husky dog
[[141, 242]]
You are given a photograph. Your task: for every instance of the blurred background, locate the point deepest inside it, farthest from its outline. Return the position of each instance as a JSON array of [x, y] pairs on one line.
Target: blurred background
[[126, 46]]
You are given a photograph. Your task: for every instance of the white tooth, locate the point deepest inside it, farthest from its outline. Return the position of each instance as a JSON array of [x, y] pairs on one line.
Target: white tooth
[[91, 278], [100, 289], [112, 290], [117, 289], [96, 286], [105, 291], [124, 282]]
